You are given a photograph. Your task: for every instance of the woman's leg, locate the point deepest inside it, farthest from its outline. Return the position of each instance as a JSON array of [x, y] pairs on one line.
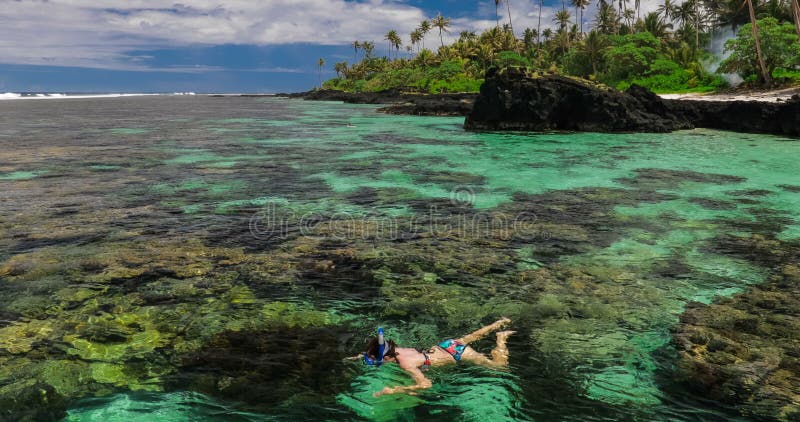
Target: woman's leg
[[500, 351], [481, 333], [499, 354]]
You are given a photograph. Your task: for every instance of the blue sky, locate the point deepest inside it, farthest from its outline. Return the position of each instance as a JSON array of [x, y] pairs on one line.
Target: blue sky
[[209, 45]]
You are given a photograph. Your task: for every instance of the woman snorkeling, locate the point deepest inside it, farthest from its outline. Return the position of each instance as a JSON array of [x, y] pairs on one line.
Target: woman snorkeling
[[448, 352]]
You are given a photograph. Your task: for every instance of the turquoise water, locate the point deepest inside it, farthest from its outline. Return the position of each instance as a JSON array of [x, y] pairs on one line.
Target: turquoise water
[[220, 258]]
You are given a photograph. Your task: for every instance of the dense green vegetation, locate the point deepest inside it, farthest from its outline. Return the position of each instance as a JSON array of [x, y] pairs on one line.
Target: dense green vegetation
[[779, 46], [662, 50]]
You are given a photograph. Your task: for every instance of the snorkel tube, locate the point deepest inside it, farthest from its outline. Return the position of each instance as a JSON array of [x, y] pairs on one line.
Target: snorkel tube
[[381, 350]]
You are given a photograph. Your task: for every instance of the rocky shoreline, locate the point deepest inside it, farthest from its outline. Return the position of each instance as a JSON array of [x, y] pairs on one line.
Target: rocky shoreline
[[513, 100], [398, 101]]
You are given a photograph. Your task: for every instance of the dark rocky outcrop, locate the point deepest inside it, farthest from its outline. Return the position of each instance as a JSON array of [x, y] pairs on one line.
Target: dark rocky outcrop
[[399, 101], [780, 118], [512, 100]]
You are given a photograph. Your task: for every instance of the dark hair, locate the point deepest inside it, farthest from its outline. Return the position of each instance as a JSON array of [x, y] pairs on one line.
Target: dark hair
[[372, 348]]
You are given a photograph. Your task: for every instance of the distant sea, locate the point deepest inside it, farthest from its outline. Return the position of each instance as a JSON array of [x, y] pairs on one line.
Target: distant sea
[[56, 95]]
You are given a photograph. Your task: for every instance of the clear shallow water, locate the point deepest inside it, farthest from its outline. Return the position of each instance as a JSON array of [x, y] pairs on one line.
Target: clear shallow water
[[219, 257]]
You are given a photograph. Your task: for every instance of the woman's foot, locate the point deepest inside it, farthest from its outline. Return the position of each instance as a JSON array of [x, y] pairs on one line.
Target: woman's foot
[[502, 335], [502, 322]]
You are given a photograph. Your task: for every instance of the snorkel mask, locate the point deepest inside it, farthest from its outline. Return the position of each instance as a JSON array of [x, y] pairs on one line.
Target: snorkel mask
[[381, 351]]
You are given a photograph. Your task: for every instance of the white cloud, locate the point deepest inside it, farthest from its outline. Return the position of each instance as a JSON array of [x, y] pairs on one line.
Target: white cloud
[[99, 33], [103, 33]]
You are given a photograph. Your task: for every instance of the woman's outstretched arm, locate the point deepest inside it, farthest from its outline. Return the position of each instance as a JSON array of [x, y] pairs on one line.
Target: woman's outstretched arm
[[420, 383]]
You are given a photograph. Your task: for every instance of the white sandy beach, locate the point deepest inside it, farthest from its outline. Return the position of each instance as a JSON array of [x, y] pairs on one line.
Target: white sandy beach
[[766, 96]]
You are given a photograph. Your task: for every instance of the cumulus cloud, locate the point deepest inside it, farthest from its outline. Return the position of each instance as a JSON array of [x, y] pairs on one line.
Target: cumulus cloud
[[105, 33], [101, 33]]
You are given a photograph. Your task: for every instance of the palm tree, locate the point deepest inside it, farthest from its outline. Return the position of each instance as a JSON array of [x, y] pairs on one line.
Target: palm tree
[[575, 4], [696, 25], [388, 37], [562, 19], [508, 7], [628, 15], [594, 46], [606, 19], [416, 37], [666, 11], [561, 41], [527, 38], [729, 13], [767, 77], [467, 36], [397, 42], [368, 47], [493, 38], [580, 4], [466, 49], [683, 13], [394, 40], [320, 64], [424, 28], [447, 53], [547, 34], [652, 23], [485, 56], [356, 46], [796, 16], [340, 68], [539, 26], [687, 12], [442, 23], [425, 58], [683, 55]]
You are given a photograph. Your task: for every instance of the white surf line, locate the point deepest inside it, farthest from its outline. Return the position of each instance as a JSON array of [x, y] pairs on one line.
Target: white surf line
[[15, 96]]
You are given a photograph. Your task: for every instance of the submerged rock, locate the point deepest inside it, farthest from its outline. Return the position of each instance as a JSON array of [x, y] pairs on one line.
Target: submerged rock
[[265, 367]]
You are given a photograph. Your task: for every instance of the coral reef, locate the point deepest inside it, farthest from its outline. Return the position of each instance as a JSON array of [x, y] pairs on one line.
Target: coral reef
[[744, 350], [138, 265]]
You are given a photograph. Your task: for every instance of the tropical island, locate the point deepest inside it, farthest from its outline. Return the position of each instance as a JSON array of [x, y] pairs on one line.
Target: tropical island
[[666, 51]]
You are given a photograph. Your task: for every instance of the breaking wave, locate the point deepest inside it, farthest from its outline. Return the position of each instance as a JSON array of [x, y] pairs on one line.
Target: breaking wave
[[50, 95]]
